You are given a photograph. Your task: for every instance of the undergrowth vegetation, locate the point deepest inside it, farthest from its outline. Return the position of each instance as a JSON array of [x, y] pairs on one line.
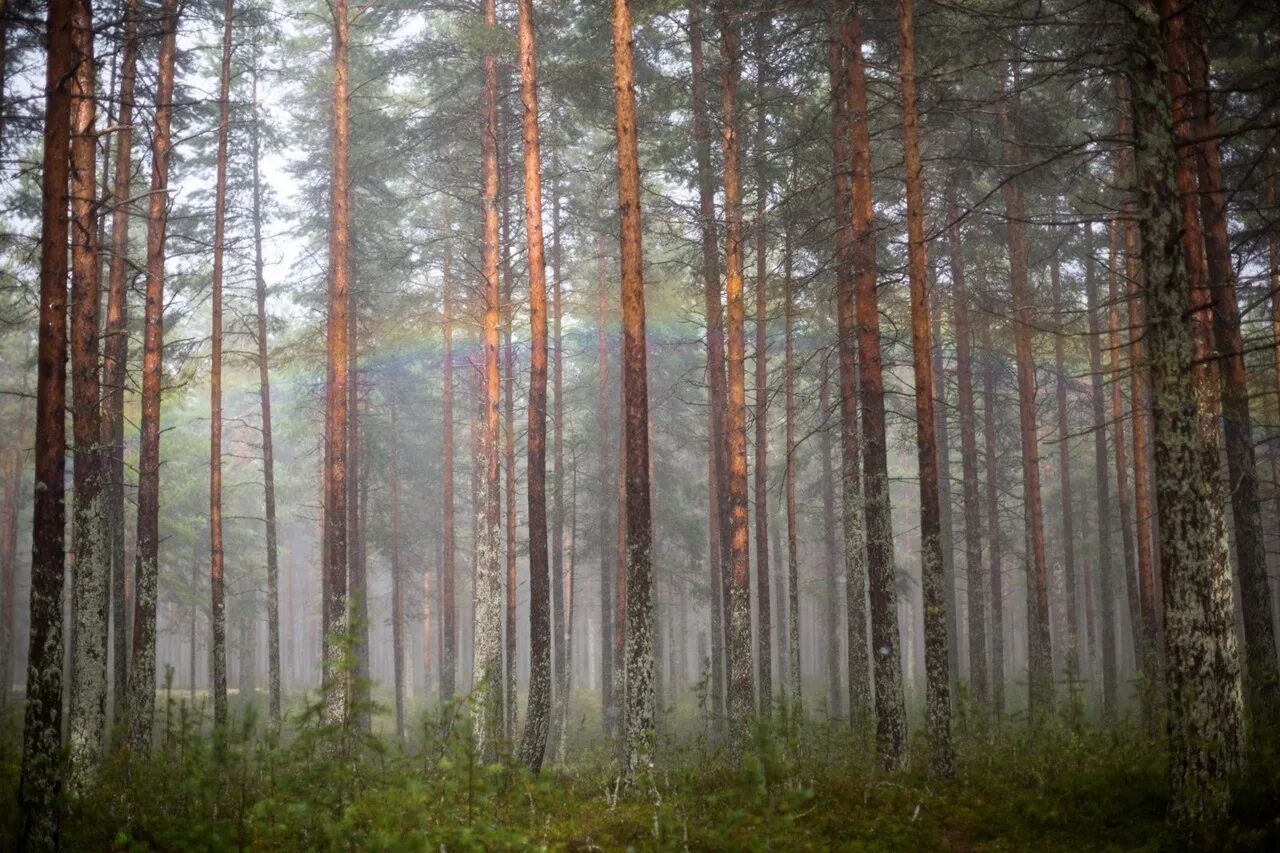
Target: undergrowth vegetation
[[807, 786]]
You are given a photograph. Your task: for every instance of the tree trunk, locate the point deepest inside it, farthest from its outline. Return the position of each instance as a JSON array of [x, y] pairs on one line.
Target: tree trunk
[[640, 701], [217, 606], [11, 474], [933, 578], [1204, 693], [337, 685], [604, 468], [397, 582], [741, 701], [1263, 677], [1040, 647], [41, 784], [90, 570], [557, 465], [764, 629], [142, 670], [115, 357], [891, 727], [1106, 573], [1064, 473], [793, 549], [487, 648], [835, 696], [448, 597], [534, 742], [509, 660], [839, 58], [975, 584], [268, 447], [718, 499], [989, 404], [357, 501]]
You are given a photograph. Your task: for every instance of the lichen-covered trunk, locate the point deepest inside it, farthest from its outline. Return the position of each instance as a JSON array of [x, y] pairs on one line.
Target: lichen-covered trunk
[[1263, 677], [640, 700], [1040, 650], [1103, 517], [839, 50], [41, 782], [115, 356], [142, 670], [534, 742], [486, 708], [1203, 672], [881, 574], [974, 580], [718, 510], [217, 598], [739, 652], [90, 569], [933, 578], [337, 687]]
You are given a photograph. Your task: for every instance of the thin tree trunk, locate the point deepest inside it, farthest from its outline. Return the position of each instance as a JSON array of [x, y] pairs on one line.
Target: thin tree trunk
[[142, 670], [839, 58], [557, 464], [217, 606], [336, 622], [357, 491], [835, 696], [1040, 647], [115, 357], [974, 581], [764, 629], [487, 648], [448, 597], [90, 569], [268, 447], [996, 548], [1204, 692], [397, 582], [640, 700], [718, 512], [534, 742], [891, 728], [1064, 473], [41, 781], [793, 549], [509, 455], [11, 473], [741, 701], [603, 467], [1106, 573], [933, 578]]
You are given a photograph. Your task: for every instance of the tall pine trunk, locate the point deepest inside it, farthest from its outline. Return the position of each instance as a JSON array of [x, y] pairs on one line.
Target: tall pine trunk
[[764, 628], [640, 700], [995, 533], [1072, 656], [448, 547]]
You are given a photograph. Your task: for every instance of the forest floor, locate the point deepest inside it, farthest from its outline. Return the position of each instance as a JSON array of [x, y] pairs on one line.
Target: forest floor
[[1068, 786]]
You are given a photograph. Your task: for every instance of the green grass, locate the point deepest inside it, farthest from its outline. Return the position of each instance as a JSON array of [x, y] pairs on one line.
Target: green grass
[[1066, 787]]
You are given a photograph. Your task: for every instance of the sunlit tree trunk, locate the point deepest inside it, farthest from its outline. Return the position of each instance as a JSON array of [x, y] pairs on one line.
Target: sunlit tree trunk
[[336, 492], [487, 648], [718, 510], [142, 670], [1103, 519], [217, 606], [764, 627], [534, 742], [974, 581], [1204, 692], [839, 57], [90, 569], [741, 701], [1040, 649], [268, 446], [41, 780], [891, 727], [933, 579], [640, 701]]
